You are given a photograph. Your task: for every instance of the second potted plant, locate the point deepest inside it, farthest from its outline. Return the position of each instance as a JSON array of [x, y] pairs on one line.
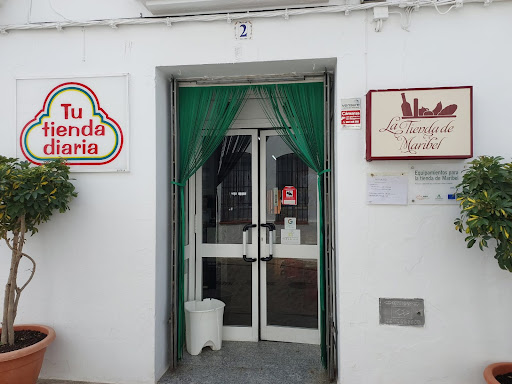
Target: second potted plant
[[29, 195], [485, 196]]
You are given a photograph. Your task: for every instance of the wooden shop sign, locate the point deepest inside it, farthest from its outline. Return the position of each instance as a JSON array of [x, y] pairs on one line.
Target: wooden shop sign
[[419, 123]]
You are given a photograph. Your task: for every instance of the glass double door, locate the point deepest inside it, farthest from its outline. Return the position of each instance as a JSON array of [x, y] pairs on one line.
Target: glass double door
[[256, 231]]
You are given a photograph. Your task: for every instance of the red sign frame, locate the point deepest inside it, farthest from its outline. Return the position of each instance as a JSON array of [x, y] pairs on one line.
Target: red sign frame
[[369, 107]]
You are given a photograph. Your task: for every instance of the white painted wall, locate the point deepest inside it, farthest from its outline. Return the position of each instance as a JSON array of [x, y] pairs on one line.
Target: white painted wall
[[413, 251], [95, 282], [101, 267], [163, 225]]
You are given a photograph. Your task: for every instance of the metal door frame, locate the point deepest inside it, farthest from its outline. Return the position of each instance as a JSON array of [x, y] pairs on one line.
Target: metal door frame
[[273, 332], [239, 333], [329, 199]]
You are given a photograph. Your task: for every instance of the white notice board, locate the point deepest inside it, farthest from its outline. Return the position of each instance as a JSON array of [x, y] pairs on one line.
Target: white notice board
[[386, 189]]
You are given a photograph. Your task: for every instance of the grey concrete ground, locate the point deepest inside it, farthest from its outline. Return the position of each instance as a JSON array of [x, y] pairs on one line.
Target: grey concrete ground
[[246, 363], [251, 363]]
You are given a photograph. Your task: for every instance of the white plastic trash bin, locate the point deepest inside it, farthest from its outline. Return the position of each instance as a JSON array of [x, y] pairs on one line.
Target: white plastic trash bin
[[204, 325]]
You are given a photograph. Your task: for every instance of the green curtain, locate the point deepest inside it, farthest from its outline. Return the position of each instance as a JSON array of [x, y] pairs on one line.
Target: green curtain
[[296, 111], [205, 114]]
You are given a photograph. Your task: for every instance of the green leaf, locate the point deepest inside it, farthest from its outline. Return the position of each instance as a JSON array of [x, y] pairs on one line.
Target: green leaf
[[24, 190], [485, 194]]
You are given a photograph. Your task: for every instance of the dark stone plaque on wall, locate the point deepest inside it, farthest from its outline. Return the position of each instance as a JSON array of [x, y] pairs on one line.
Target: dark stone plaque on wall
[[408, 312]]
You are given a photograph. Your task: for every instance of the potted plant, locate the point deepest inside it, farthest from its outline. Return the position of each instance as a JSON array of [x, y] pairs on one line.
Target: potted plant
[[485, 196], [28, 197]]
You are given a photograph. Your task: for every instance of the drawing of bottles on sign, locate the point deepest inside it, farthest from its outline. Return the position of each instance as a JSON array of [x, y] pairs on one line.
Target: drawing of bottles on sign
[[438, 111]]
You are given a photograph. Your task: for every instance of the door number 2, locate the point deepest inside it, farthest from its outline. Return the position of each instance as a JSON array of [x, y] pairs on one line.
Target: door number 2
[[243, 30]]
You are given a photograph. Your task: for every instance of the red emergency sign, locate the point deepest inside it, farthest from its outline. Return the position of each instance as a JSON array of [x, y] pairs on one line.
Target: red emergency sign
[[289, 196]]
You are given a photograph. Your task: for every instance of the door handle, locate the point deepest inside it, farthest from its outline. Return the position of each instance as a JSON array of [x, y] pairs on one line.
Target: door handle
[[244, 237], [271, 228]]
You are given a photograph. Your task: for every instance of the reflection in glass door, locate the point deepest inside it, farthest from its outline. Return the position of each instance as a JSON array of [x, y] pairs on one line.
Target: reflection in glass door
[[289, 281], [257, 250], [227, 199]]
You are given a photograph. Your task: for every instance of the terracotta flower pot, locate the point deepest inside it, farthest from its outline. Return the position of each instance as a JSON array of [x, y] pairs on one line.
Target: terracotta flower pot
[[23, 366], [493, 370]]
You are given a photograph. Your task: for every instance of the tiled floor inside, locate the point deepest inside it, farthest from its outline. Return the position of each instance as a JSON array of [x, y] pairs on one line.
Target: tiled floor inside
[[246, 363]]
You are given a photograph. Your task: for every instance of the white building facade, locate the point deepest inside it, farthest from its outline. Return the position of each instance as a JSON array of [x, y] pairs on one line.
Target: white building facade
[[103, 267]]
